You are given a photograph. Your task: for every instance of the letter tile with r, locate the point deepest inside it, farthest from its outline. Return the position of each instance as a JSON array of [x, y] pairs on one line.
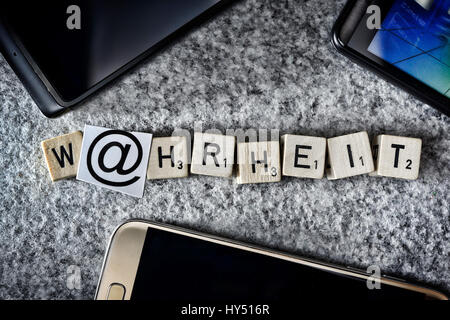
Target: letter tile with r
[[213, 154]]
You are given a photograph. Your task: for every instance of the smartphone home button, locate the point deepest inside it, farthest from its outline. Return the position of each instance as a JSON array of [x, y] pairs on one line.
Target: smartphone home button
[[116, 292]]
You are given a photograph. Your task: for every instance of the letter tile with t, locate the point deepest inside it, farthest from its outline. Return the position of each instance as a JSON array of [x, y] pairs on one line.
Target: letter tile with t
[[213, 154], [397, 157]]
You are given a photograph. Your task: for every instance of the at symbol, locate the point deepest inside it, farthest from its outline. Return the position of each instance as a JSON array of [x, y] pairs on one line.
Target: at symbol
[[119, 167]]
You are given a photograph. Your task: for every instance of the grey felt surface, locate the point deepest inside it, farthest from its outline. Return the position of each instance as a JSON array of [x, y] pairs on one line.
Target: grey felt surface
[[262, 65]]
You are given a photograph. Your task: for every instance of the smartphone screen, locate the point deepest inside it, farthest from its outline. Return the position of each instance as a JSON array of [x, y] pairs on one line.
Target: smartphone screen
[[111, 33], [179, 268], [414, 37]]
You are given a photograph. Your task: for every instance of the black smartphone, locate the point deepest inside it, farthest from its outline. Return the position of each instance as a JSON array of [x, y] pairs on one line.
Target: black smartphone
[[161, 263], [406, 42], [63, 51]]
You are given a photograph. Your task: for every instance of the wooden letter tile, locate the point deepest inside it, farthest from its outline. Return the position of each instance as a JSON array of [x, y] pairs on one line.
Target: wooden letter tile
[[259, 162], [62, 155], [397, 157], [168, 158], [349, 155], [303, 156], [213, 154]]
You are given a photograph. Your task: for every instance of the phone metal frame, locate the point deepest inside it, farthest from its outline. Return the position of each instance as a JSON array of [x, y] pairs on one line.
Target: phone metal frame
[[387, 71], [126, 243], [41, 90]]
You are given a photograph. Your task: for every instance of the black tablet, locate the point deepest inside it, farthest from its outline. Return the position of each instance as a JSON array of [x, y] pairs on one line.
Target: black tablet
[[405, 41], [63, 51]]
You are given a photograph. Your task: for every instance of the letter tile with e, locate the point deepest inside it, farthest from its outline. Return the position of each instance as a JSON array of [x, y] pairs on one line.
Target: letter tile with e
[[303, 156]]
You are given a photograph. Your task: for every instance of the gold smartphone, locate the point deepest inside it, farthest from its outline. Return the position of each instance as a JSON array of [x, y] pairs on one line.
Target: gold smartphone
[[161, 263]]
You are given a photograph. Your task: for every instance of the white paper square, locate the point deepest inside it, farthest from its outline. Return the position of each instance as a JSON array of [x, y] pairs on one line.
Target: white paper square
[[115, 159]]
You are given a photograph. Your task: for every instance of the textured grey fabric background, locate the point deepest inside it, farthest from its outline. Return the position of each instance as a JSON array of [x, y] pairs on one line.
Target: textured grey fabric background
[[260, 64]]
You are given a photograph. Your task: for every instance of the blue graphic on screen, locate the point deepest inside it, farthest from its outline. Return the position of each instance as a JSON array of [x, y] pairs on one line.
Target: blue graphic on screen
[[415, 37]]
